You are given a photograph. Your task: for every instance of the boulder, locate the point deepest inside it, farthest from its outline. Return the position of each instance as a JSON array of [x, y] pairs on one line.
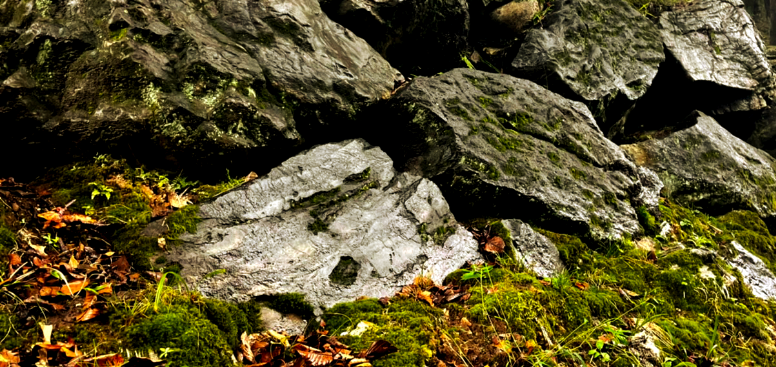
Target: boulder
[[754, 272], [335, 223], [420, 37], [499, 146], [705, 166], [716, 63], [535, 251], [601, 52], [199, 84]]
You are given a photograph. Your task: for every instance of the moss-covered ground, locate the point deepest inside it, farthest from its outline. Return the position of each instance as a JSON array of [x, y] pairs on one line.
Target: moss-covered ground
[[673, 286]]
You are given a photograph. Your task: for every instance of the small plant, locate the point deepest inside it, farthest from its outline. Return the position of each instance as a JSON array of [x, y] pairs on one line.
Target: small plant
[[100, 190], [598, 352], [477, 272], [51, 240]]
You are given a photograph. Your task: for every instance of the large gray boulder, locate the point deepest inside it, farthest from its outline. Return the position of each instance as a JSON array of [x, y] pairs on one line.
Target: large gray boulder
[[199, 83], [420, 37], [715, 63], [601, 52], [754, 272], [705, 166], [504, 147], [336, 222]]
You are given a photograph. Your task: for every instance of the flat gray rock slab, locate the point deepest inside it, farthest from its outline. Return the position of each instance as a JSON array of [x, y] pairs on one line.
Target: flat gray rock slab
[[335, 223], [704, 165]]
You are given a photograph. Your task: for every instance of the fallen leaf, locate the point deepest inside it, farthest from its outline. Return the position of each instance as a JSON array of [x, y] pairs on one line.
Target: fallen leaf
[[378, 349], [74, 287], [73, 262], [46, 329], [426, 296], [582, 285], [495, 245], [88, 314], [70, 218], [48, 291], [162, 243], [40, 249], [465, 322], [105, 289], [178, 201], [8, 357], [316, 357], [14, 259], [53, 219], [250, 177], [71, 353]]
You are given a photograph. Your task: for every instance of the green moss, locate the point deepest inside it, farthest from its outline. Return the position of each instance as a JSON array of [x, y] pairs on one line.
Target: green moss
[[485, 102], [647, 221], [234, 319], [361, 176], [407, 324], [119, 34], [292, 303], [11, 327], [183, 220]]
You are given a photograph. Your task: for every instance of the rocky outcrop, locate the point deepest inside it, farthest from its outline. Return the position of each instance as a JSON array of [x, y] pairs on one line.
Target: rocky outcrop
[[198, 83], [504, 147], [754, 272], [705, 166], [420, 37], [535, 251], [335, 223], [603, 53], [716, 63]]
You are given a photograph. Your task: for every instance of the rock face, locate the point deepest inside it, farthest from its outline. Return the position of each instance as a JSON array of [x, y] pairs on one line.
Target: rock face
[[602, 52], [754, 272], [716, 63], [716, 41], [499, 146], [421, 37], [199, 83], [335, 223], [707, 167], [536, 251]]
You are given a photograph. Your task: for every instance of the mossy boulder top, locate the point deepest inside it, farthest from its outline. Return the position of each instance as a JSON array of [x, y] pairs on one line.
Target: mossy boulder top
[[334, 223], [602, 52], [504, 147], [705, 166], [199, 84]]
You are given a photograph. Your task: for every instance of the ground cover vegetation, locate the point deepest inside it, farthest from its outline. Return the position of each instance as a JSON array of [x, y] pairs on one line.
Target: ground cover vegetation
[[85, 282]]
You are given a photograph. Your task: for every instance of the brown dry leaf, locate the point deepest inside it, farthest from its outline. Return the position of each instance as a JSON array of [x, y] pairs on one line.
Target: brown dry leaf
[[250, 177], [178, 201], [74, 287], [545, 283], [53, 219], [118, 180], [628, 293], [378, 349], [73, 262], [162, 242], [40, 249], [106, 288], [107, 360], [316, 357], [148, 192], [8, 358], [71, 353], [495, 245], [88, 314], [423, 282], [465, 322], [582, 285], [70, 218], [14, 259], [89, 300], [426, 296], [48, 291]]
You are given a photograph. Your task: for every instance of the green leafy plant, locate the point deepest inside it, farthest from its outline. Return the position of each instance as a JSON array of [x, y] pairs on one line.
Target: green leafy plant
[[598, 352], [477, 272], [100, 190], [51, 240]]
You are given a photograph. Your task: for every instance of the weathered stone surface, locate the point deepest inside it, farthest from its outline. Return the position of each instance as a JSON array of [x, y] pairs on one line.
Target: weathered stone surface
[[504, 147], [754, 272], [420, 37], [276, 321], [197, 83], [335, 223], [649, 196], [601, 52], [536, 251], [716, 41], [514, 16], [705, 166]]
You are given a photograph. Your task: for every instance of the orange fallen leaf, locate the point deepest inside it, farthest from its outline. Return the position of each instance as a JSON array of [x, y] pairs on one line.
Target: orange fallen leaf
[[14, 259], [48, 291], [426, 296], [70, 218], [582, 285], [53, 219], [74, 287], [316, 357], [105, 289], [73, 262], [89, 300], [88, 314], [495, 245], [7, 357]]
